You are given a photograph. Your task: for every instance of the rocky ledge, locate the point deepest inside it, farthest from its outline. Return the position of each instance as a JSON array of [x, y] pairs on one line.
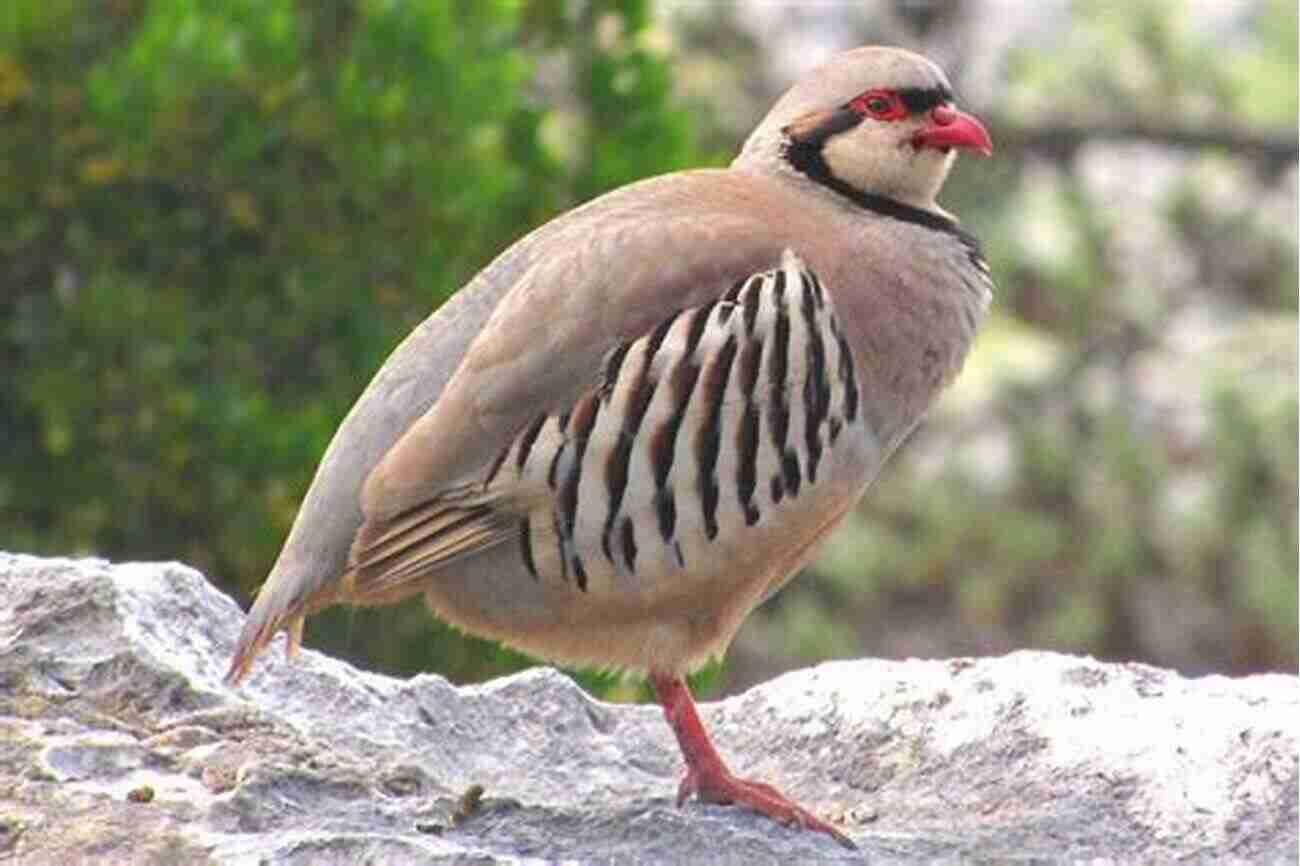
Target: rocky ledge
[[121, 745]]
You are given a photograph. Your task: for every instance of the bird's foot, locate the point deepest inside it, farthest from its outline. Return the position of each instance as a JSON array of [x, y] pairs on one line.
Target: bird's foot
[[708, 777], [718, 785]]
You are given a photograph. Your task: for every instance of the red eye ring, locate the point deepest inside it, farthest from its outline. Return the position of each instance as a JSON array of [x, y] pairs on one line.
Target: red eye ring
[[879, 104]]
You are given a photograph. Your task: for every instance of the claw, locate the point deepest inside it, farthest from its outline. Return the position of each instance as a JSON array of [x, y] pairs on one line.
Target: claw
[[686, 788]]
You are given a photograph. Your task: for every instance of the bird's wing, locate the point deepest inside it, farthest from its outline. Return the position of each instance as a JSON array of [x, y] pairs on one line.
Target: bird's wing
[[649, 494], [543, 355], [604, 272], [545, 341]]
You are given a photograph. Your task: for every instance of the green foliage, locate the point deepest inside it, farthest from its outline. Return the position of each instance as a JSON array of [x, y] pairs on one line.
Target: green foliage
[[1273, 57], [1099, 513], [222, 216]]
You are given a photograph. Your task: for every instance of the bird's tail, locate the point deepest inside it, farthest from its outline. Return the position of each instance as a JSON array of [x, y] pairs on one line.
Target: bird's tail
[[282, 603]]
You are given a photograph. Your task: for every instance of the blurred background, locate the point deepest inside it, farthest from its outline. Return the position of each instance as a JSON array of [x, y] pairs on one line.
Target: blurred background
[[219, 218]]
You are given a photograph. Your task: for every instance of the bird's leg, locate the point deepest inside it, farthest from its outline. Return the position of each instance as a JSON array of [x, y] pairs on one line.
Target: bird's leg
[[708, 777]]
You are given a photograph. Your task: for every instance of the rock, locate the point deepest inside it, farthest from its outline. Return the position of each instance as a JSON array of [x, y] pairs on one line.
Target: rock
[[121, 745]]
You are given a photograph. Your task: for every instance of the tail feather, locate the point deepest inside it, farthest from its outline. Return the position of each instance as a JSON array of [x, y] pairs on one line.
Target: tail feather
[[392, 558], [271, 613]]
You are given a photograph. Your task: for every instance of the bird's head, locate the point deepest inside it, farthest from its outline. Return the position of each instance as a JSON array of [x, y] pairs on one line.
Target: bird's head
[[875, 121]]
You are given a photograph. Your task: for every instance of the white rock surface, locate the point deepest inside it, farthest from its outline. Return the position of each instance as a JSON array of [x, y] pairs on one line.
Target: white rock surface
[[121, 745]]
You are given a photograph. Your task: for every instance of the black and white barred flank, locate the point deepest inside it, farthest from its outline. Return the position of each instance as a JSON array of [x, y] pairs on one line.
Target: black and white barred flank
[[721, 414]]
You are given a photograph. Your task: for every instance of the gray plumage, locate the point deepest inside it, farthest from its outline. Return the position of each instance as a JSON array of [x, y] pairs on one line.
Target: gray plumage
[[638, 421], [517, 457]]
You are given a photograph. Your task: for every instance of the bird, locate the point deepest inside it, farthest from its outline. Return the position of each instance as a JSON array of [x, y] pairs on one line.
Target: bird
[[635, 424]]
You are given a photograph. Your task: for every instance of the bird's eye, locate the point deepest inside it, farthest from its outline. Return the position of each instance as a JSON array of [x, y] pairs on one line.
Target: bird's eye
[[880, 104]]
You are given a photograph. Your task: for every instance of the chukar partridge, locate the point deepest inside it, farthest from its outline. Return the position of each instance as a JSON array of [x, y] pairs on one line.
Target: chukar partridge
[[635, 424]]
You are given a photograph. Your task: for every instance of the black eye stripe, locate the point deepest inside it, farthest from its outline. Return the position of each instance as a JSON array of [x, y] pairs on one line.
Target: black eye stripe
[[920, 99], [839, 121]]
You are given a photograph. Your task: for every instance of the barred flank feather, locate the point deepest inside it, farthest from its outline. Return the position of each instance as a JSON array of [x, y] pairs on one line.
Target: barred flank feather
[[645, 471]]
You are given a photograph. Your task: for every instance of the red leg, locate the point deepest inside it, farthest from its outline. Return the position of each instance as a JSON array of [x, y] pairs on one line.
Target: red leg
[[706, 775]]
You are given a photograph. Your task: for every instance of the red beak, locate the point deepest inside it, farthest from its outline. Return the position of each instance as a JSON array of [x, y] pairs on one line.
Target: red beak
[[952, 128]]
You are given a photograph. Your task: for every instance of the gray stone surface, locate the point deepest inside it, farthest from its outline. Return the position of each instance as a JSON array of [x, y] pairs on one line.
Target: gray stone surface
[[121, 745]]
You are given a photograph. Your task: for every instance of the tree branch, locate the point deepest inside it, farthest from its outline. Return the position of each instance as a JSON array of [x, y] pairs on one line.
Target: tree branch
[[1063, 139]]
